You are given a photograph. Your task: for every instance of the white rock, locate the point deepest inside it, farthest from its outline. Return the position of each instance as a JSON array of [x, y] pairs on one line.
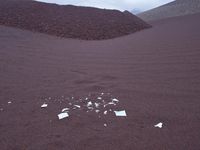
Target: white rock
[[63, 115], [44, 105], [99, 98], [159, 125], [105, 125], [120, 113], [9, 102]]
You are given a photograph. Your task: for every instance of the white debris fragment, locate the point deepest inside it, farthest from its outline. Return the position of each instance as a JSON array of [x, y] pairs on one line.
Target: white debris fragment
[[102, 93], [9, 102], [65, 109], [159, 125], [89, 104], [77, 106], [63, 115], [105, 125], [111, 103], [99, 98], [90, 108], [44, 105], [105, 112], [120, 113], [96, 104], [97, 111], [115, 100], [86, 98], [110, 109]]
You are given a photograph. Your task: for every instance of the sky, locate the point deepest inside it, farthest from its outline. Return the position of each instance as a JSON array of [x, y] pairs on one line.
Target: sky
[[138, 5]]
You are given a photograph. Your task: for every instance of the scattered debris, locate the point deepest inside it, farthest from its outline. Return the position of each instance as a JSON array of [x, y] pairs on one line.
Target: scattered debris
[[159, 125], [9, 102], [44, 105], [101, 104], [63, 115], [120, 113], [105, 125]]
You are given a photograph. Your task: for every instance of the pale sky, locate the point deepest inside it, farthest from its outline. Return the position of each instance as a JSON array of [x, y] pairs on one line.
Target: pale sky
[[113, 4]]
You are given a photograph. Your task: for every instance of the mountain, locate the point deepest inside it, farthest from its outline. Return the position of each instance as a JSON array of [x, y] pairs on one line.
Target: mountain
[[172, 9], [69, 21]]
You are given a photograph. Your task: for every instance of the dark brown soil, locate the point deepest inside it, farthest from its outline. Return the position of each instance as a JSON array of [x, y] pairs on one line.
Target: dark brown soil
[[69, 21]]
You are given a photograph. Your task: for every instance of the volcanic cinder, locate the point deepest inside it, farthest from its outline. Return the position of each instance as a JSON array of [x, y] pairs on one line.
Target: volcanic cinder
[[69, 21]]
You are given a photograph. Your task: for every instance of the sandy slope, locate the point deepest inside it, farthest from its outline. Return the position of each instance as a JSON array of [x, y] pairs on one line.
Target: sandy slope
[[172, 9], [155, 73]]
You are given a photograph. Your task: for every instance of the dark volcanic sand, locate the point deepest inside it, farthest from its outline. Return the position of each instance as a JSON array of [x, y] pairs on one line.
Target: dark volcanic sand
[[69, 21], [155, 73]]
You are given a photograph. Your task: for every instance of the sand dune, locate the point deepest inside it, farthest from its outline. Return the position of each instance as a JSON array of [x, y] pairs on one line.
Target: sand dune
[[69, 21], [172, 9], [155, 73]]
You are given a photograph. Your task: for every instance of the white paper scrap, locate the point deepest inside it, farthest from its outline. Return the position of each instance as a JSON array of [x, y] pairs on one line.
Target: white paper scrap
[[111, 103], [159, 125], [65, 109], [115, 100], [77, 106], [63, 115], [44, 105], [120, 113]]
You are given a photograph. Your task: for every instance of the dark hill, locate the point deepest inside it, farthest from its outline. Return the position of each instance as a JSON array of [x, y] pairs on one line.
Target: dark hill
[[68, 21]]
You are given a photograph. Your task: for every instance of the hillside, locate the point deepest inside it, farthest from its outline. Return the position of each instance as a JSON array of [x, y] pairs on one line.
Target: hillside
[[172, 9], [69, 21]]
